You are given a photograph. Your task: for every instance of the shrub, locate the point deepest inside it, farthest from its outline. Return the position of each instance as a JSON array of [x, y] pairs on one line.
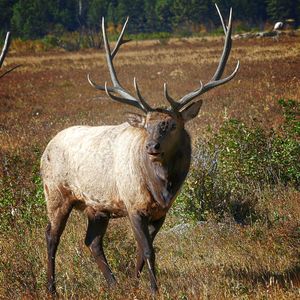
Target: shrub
[[230, 169], [21, 190], [50, 41], [20, 45], [241, 27]]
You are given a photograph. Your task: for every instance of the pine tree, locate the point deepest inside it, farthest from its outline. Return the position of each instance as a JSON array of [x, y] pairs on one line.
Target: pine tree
[[181, 12], [29, 18], [65, 12], [279, 10], [164, 15], [111, 16], [35, 18], [96, 10], [6, 13], [151, 19], [135, 10]]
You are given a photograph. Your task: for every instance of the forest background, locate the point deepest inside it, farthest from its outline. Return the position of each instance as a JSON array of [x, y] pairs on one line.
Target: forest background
[[35, 19]]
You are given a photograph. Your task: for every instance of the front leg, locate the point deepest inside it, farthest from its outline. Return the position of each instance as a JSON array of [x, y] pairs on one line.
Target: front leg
[[153, 228], [139, 224]]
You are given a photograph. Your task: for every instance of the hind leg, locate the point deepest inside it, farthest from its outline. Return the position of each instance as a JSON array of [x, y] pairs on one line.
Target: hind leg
[[97, 226], [58, 216]]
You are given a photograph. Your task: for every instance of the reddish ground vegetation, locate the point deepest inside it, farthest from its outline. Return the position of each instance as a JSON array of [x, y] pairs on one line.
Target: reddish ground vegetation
[[51, 92]]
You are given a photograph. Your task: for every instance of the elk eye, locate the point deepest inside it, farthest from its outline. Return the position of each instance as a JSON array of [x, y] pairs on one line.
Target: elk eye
[[163, 127], [173, 127]]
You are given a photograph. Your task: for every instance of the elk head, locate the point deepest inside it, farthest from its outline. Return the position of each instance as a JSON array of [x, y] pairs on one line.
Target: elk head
[[164, 130], [163, 126]]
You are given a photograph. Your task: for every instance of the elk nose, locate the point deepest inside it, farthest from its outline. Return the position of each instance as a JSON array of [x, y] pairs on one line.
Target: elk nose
[[156, 146], [153, 145]]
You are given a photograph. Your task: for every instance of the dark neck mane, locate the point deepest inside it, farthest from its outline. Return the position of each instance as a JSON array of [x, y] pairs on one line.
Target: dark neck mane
[[164, 179]]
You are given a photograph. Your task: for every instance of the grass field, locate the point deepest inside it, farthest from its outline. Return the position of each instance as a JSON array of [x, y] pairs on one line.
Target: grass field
[[218, 259]]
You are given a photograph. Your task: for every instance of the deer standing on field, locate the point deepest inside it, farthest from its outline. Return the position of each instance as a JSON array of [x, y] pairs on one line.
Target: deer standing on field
[[134, 169]]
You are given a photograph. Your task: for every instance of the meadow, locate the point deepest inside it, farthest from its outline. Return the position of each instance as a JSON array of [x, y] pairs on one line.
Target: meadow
[[242, 240]]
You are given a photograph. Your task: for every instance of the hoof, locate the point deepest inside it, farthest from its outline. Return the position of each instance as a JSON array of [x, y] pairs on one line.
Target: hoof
[[112, 282], [52, 291], [154, 291]]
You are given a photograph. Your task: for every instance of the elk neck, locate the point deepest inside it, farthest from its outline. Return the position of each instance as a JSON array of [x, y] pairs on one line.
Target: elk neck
[[165, 177]]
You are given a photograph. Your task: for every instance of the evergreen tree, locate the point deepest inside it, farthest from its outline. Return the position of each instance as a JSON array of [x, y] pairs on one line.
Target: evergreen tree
[[181, 10], [5, 15], [111, 12], [151, 19], [135, 10], [201, 11], [122, 10], [34, 18], [297, 11], [64, 13], [97, 9], [279, 10], [164, 15], [256, 12], [29, 18]]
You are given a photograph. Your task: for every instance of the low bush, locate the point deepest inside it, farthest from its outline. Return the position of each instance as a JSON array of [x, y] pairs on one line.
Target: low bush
[[69, 41], [21, 190], [231, 169]]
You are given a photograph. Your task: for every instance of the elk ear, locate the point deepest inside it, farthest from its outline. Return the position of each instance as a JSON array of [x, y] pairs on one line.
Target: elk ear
[[191, 111], [136, 120]]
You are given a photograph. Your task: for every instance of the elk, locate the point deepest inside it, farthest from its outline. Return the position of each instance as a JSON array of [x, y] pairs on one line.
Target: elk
[[134, 169], [4, 52]]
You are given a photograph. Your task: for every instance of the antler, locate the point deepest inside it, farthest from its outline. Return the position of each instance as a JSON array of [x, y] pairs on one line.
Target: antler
[[216, 79], [125, 96], [5, 48], [4, 52]]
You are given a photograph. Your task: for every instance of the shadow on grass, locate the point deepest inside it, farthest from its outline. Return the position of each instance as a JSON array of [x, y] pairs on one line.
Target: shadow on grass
[[288, 278]]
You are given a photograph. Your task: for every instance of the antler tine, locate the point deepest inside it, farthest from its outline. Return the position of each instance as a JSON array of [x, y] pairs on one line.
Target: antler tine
[[121, 99], [8, 71], [96, 86], [215, 81], [142, 101], [190, 96], [226, 48], [172, 102], [4, 52], [222, 19], [212, 84], [120, 40], [126, 97], [184, 100], [111, 68], [5, 48]]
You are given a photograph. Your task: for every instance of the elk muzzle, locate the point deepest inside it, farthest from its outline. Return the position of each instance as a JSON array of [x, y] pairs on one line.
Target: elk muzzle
[[153, 149]]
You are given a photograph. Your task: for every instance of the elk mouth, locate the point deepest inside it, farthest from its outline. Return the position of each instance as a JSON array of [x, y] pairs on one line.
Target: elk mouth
[[155, 156]]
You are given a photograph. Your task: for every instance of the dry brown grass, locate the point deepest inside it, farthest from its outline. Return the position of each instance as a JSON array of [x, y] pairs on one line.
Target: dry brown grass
[[211, 261], [51, 92]]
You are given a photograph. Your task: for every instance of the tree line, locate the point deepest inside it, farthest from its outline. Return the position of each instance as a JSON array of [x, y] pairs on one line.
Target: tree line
[[30, 19]]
